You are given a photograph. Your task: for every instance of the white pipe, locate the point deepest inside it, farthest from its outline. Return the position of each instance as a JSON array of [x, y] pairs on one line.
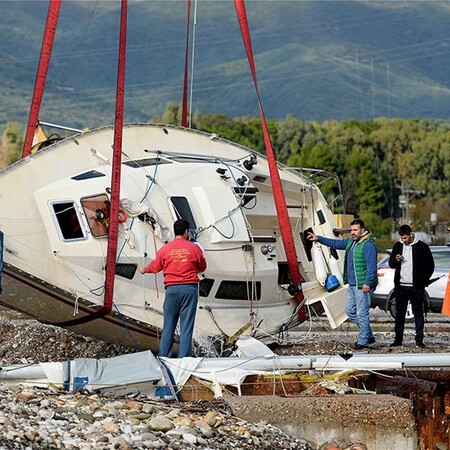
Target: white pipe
[[60, 127], [21, 371], [271, 363], [365, 360], [366, 365], [266, 363]]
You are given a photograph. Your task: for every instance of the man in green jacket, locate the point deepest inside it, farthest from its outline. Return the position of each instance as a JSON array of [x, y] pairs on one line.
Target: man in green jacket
[[360, 272]]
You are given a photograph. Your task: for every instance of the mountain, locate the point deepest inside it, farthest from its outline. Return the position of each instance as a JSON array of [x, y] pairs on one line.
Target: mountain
[[316, 60]]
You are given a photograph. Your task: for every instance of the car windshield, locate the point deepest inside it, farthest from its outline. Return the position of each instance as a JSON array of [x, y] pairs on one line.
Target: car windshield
[[442, 259], [384, 261]]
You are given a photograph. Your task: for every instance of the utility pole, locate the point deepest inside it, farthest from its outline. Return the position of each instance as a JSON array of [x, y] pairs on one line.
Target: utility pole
[[404, 201]]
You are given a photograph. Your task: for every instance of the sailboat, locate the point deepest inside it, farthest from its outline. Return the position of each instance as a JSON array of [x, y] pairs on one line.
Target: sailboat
[[60, 205]]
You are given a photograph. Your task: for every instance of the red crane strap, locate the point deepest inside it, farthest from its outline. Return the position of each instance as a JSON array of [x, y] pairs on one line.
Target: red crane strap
[[41, 75], [186, 69], [278, 193], [113, 232]]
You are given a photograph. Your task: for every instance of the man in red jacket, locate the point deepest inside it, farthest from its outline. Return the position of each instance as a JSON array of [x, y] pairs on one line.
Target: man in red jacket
[[181, 261]]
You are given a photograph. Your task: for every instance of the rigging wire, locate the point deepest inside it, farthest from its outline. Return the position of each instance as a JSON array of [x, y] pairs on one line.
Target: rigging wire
[[69, 68]]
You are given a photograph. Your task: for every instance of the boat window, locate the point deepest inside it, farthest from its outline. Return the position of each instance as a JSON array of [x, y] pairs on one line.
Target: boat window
[[321, 217], [68, 220], [283, 273], [265, 239], [137, 163], [259, 179], [96, 209], [205, 286], [87, 175], [126, 270], [238, 290], [183, 210]]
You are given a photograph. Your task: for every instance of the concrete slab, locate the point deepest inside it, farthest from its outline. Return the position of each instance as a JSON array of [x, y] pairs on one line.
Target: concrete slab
[[378, 421]]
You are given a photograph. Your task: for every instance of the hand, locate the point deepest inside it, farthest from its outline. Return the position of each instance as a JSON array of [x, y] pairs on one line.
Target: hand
[[366, 288], [399, 258], [312, 237], [141, 270]]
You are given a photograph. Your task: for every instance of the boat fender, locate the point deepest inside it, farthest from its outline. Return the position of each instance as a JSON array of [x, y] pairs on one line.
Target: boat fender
[[320, 266], [123, 216], [331, 283], [335, 269]]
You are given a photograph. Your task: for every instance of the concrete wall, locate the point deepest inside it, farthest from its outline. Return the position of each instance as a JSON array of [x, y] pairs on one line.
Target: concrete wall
[[378, 421]]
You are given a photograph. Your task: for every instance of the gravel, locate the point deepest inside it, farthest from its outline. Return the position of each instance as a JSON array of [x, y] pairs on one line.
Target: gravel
[[35, 418]]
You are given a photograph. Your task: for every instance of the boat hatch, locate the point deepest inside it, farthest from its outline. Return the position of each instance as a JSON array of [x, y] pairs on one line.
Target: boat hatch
[[145, 162], [88, 175]]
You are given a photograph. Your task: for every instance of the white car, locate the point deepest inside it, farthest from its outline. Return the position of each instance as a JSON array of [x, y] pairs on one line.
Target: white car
[[384, 296]]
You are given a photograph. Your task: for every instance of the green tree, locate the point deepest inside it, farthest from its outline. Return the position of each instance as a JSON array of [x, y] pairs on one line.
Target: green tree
[[11, 144], [375, 160]]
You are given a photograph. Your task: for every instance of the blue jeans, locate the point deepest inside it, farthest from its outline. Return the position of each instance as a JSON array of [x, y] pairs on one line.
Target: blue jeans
[[180, 303], [358, 306]]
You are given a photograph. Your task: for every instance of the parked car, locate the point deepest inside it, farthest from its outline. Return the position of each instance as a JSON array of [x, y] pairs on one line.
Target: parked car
[[384, 296]]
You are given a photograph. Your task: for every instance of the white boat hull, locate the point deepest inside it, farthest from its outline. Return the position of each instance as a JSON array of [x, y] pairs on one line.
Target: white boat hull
[[170, 172]]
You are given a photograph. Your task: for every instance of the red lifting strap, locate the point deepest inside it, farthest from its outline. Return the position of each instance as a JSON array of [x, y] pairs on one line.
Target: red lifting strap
[[278, 193], [113, 232], [41, 76], [186, 69]]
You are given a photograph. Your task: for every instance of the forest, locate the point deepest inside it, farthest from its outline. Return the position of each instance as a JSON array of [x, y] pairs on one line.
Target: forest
[[390, 170]]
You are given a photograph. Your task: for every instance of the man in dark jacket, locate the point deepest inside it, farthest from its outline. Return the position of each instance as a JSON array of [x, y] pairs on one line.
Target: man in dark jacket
[[360, 272], [414, 266]]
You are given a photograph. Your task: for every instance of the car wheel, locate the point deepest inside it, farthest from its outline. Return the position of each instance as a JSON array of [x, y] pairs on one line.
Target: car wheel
[[409, 317]]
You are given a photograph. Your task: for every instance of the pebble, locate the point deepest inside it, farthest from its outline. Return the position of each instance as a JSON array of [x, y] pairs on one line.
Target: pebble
[[37, 418]]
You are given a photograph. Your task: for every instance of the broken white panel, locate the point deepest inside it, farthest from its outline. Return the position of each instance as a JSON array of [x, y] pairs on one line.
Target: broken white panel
[[93, 374]]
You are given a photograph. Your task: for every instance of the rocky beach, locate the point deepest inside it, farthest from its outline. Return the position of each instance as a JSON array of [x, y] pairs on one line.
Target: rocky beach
[[38, 418], [33, 418]]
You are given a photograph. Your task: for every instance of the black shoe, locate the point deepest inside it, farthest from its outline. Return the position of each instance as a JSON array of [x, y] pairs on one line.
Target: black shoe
[[420, 344], [396, 344], [371, 341], [359, 346]]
